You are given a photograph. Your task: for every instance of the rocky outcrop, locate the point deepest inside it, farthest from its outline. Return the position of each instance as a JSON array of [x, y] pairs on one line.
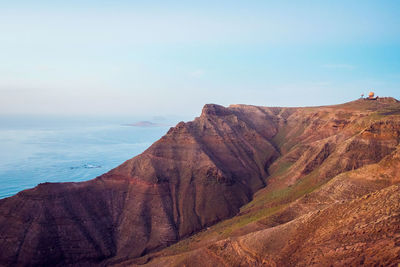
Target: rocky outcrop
[[199, 173]]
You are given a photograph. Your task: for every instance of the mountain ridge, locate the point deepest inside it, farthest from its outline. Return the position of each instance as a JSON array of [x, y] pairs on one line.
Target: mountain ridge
[[198, 174]]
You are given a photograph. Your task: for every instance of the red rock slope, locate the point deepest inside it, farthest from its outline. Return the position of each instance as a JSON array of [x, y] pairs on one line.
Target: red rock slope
[[199, 173]]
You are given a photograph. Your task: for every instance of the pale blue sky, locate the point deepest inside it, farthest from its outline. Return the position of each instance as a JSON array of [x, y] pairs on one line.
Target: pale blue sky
[[172, 57]]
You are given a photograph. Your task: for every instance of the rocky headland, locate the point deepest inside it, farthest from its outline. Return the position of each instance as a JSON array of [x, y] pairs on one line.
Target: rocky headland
[[238, 186]]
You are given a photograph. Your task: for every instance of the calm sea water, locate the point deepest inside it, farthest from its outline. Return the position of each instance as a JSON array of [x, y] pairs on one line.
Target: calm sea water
[[34, 150]]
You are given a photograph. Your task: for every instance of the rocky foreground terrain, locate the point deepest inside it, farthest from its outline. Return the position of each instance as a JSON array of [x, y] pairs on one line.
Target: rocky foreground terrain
[[237, 186]]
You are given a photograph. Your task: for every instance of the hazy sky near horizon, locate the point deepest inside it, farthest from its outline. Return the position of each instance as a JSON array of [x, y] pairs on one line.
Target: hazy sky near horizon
[[172, 57]]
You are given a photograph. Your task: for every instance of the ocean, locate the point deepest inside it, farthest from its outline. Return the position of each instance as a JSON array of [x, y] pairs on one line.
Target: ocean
[[37, 149]]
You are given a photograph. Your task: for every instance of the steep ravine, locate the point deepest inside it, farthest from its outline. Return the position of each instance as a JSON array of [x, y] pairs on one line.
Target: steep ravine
[[199, 173]]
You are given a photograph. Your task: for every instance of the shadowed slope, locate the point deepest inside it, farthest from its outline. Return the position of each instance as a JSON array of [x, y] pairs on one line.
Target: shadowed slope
[[352, 220], [198, 174], [363, 138]]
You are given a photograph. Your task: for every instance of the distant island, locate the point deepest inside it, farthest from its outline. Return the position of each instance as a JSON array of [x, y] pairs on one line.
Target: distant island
[[146, 124]]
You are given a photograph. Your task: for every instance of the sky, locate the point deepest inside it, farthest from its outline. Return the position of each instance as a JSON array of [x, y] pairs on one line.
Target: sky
[[165, 58]]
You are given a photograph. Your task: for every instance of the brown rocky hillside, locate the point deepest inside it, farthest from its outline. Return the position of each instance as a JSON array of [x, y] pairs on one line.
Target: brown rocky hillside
[[238, 186]]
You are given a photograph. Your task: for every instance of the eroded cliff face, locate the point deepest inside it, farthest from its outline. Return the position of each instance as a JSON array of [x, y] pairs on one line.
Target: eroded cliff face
[[361, 232], [199, 173]]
